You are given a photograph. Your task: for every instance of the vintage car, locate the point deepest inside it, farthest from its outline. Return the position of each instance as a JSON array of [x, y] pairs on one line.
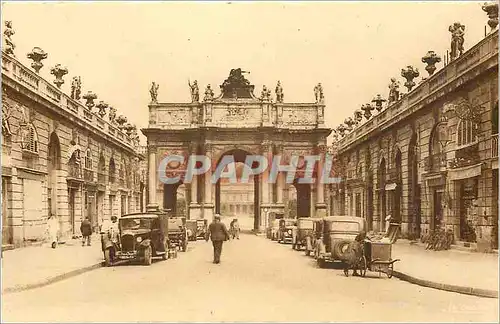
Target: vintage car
[[177, 233], [142, 237], [285, 230], [337, 233], [302, 235], [196, 228]]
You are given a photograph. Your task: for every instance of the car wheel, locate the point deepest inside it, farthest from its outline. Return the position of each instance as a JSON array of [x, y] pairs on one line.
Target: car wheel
[[321, 263], [108, 261], [148, 255], [308, 252], [340, 249]]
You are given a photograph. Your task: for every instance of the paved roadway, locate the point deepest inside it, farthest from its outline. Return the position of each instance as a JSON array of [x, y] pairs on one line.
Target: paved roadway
[[257, 280]]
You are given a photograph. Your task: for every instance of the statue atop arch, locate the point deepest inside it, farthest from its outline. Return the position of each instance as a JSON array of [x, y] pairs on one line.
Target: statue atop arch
[[237, 86]]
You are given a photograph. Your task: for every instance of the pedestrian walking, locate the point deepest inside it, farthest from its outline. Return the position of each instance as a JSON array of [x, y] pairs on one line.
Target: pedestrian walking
[[52, 229], [235, 229], [217, 231], [86, 229]]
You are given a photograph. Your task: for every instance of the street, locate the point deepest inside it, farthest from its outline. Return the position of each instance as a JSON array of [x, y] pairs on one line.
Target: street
[[257, 280]]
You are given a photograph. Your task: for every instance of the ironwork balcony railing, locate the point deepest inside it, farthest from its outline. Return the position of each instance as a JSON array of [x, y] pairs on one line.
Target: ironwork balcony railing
[[434, 162], [101, 177], [88, 175], [494, 145], [74, 172]]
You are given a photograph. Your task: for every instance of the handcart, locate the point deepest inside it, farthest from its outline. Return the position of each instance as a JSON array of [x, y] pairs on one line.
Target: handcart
[[376, 257]]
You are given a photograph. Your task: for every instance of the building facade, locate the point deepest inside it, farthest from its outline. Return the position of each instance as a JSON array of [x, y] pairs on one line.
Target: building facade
[[60, 157], [429, 158]]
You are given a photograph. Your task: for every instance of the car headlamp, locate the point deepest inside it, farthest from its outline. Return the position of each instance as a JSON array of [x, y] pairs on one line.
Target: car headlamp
[[290, 232], [139, 239]]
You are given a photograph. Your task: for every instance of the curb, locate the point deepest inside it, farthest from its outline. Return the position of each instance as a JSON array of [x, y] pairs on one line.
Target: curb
[[447, 287], [52, 280]]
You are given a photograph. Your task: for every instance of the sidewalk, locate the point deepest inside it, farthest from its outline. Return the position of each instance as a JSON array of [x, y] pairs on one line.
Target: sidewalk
[[453, 270], [31, 267]]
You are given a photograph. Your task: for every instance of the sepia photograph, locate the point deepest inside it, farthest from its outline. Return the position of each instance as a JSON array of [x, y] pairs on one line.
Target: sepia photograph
[[249, 161]]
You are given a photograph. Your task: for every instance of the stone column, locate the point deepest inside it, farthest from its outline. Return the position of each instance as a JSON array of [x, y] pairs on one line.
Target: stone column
[[153, 204], [194, 205], [265, 186], [320, 186], [280, 183], [208, 205]]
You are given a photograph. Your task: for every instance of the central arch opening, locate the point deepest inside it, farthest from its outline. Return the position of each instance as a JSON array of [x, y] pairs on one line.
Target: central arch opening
[[238, 199]]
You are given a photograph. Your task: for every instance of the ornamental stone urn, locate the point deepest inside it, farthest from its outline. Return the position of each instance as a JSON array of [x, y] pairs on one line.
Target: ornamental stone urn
[[58, 71], [37, 55], [121, 120], [102, 106], [409, 74], [431, 58], [378, 100], [492, 10], [367, 110], [90, 97]]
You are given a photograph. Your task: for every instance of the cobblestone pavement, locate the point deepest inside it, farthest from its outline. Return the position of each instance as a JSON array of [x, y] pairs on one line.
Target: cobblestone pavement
[[258, 280]]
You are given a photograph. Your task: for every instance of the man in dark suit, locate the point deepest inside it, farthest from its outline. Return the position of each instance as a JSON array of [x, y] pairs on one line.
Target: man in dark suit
[[218, 232]]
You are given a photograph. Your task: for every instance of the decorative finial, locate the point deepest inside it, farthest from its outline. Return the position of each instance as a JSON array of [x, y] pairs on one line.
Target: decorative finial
[[368, 110], [121, 120], [279, 93], [76, 88], [492, 10], [358, 117], [153, 91], [102, 108], [409, 74], [195, 92], [58, 71], [37, 55], [431, 58], [9, 44], [378, 100], [90, 97], [350, 123], [457, 31]]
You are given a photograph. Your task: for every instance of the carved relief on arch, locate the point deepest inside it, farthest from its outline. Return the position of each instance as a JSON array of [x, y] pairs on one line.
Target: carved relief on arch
[[218, 150]]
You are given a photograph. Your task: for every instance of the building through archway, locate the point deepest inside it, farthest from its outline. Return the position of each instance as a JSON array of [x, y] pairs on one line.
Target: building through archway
[[237, 124]]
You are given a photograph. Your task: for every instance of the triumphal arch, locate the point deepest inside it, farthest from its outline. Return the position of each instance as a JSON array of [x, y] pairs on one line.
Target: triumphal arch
[[235, 123]]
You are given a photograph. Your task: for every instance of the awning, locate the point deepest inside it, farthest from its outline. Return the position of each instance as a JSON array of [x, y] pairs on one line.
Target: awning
[[465, 172], [390, 186]]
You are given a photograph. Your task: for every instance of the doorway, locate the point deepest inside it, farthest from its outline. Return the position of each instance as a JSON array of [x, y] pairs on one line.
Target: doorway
[[71, 207], [438, 209]]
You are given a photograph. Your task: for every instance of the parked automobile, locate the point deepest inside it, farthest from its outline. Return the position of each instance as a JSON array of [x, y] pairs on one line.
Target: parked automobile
[[196, 229], [142, 237], [302, 235], [337, 233], [285, 230], [177, 233]]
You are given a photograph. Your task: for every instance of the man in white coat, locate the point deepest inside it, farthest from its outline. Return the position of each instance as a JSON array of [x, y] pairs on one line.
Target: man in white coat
[[52, 229]]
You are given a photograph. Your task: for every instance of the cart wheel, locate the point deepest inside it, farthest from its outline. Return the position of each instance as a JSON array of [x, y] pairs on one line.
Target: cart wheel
[[390, 268], [363, 266]]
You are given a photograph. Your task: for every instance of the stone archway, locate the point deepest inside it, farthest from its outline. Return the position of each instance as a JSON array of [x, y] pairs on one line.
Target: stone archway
[[236, 122]]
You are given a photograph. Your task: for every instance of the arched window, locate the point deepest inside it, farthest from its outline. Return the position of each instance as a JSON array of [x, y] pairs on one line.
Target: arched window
[[88, 160], [112, 170], [466, 133], [30, 139], [494, 119]]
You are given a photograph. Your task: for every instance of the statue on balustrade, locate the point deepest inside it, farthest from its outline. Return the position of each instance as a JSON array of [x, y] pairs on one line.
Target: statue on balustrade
[[457, 39], [153, 91], [209, 93], [318, 93], [393, 91], [9, 48], [112, 115], [195, 92], [279, 93], [76, 88]]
